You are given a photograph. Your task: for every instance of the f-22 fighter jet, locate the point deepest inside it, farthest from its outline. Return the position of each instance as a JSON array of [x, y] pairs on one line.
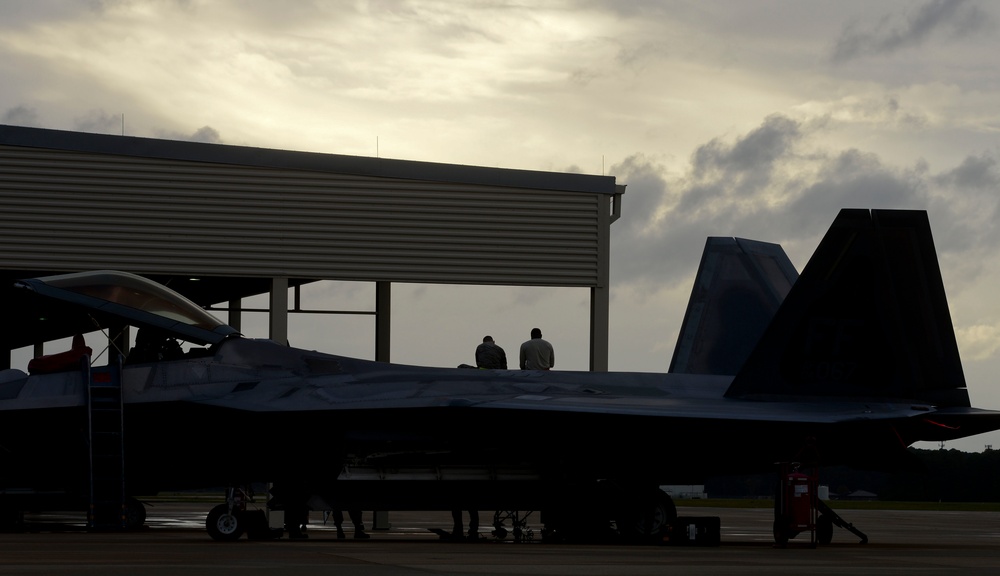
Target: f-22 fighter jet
[[854, 364]]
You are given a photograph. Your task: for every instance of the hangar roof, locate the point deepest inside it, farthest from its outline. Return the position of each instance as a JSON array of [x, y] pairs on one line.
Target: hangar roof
[[236, 217], [297, 160]]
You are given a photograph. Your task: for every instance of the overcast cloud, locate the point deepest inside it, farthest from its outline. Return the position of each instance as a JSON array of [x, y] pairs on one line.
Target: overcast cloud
[[951, 20], [758, 119]]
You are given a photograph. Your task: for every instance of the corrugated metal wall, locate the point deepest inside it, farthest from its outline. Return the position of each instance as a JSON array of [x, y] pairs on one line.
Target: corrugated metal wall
[[64, 210]]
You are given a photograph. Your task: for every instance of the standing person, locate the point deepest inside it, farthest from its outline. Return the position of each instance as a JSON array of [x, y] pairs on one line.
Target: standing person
[[293, 495], [537, 354], [359, 527], [456, 531], [490, 356]]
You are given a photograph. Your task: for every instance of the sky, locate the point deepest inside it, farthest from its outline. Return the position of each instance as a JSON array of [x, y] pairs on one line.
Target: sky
[[752, 118]]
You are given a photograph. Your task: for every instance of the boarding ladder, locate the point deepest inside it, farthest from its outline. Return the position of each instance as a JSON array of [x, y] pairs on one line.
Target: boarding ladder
[[107, 446]]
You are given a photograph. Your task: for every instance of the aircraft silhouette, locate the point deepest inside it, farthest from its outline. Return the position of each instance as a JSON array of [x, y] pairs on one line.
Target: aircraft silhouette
[[849, 363]]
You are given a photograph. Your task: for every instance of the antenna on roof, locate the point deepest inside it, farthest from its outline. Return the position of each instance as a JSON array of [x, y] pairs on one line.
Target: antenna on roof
[[123, 123]]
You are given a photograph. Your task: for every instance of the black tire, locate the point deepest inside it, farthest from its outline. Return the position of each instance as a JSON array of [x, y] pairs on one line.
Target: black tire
[[223, 526], [781, 533], [647, 520], [135, 514], [11, 520], [824, 529]]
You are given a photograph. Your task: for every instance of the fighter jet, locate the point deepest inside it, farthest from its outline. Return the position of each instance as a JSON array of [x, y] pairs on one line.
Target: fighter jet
[[854, 360]]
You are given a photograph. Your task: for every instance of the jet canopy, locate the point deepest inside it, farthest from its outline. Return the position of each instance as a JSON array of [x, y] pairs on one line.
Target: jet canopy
[[110, 296]]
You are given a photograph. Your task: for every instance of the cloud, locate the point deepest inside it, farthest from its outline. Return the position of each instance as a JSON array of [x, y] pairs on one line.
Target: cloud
[[205, 134], [21, 116], [877, 110], [729, 188], [739, 170], [978, 342], [975, 173], [776, 185], [24, 13], [100, 121], [952, 19]]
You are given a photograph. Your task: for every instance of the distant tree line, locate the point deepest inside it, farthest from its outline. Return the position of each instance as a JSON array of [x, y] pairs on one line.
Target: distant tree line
[[935, 476]]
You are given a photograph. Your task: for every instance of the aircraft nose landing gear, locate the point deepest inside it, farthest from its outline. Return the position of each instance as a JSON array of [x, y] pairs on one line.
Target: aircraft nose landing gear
[[223, 523], [227, 522]]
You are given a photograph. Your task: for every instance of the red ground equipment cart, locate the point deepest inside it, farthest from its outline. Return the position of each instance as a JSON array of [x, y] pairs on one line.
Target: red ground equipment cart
[[795, 504]]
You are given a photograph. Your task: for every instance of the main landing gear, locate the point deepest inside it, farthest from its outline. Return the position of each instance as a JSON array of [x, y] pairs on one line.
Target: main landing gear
[[518, 525], [608, 511], [647, 518]]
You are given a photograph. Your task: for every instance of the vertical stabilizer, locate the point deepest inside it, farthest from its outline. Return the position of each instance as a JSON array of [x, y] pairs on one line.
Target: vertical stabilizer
[[868, 318], [738, 289]]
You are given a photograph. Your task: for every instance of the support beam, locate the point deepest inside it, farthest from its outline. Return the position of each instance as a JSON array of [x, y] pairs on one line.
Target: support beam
[[599, 313], [236, 314], [600, 294], [119, 342], [278, 315], [383, 316]]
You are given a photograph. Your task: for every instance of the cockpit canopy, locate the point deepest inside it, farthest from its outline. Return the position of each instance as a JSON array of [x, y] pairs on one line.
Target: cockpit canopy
[[107, 296]]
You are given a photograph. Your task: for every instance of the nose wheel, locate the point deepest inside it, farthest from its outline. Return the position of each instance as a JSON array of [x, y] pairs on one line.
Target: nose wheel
[[227, 522], [224, 523]]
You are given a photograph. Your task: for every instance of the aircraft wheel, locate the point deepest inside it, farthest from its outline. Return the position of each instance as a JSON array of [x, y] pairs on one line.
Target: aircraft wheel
[[135, 514], [223, 525], [10, 519], [780, 531], [824, 529], [649, 519]]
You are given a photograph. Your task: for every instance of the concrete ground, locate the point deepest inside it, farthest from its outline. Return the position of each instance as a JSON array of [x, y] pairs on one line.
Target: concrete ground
[[175, 542]]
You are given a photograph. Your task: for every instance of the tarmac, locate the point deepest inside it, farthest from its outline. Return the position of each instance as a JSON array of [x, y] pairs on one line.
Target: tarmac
[[175, 542]]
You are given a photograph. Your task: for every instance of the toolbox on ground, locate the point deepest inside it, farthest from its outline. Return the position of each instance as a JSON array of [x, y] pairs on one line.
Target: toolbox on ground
[[696, 531]]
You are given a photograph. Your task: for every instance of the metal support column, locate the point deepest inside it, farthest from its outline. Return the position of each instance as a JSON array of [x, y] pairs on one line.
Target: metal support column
[[236, 314], [599, 294], [599, 328], [383, 316], [278, 316]]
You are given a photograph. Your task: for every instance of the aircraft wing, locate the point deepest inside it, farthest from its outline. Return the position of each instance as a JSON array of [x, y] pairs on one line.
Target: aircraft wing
[[339, 384]]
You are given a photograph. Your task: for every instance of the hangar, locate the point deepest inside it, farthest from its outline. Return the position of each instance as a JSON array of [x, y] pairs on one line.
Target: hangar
[[220, 223]]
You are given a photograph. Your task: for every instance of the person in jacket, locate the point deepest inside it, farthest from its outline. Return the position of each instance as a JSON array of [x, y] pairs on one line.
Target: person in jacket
[[490, 356]]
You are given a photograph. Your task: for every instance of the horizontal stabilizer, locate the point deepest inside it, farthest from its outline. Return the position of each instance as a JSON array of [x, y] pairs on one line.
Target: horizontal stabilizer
[[868, 318], [738, 289]]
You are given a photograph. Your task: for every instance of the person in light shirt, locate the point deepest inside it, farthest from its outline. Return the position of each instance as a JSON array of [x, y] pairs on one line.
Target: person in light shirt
[[537, 354]]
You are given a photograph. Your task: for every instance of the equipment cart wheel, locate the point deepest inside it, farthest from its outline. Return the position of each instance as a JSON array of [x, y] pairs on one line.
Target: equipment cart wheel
[[223, 524], [824, 529], [135, 514], [10, 519], [781, 533]]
